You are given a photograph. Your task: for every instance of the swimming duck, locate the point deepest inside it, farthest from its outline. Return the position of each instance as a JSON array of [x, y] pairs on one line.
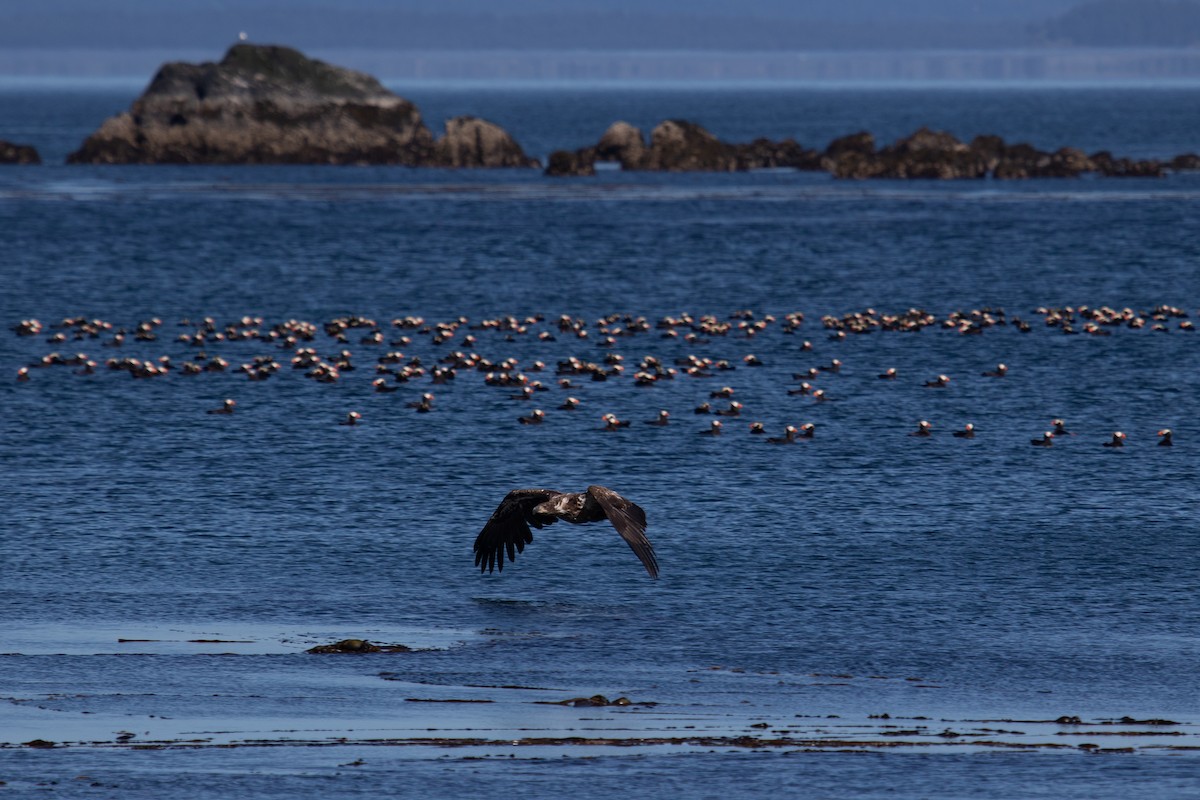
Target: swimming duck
[[226, 407], [536, 417], [424, 405], [789, 436], [508, 529], [734, 410], [611, 423]]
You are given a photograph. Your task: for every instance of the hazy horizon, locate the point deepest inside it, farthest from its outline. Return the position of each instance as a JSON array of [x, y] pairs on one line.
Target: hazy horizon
[[623, 40]]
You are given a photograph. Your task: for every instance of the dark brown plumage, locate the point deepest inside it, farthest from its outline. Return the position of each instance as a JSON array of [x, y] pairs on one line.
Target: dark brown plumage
[[509, 526]]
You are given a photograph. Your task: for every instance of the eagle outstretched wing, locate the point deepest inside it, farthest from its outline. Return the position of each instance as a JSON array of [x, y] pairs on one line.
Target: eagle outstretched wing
[[630, 521], [508, 528]]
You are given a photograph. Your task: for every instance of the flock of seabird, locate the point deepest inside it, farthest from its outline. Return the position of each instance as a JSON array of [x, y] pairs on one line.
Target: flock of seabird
[[509, 529], [393, 368]]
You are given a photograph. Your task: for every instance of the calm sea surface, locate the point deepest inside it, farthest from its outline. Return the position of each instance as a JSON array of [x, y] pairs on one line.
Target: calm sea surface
[[162, 570]]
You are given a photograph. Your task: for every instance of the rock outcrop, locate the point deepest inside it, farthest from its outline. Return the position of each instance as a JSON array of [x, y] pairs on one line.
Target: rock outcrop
[[18, 154], [474, 142], [680, 146], [265, 104]]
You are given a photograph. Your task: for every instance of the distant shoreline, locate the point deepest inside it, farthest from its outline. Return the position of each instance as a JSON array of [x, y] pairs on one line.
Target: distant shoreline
[[647, 68]]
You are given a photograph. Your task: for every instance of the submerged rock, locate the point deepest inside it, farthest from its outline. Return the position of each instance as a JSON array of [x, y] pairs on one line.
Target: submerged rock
[[266, 104], [18, 154]]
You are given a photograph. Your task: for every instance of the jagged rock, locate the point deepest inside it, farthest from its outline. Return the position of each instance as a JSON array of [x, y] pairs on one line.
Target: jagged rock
[[474, 142], [1110, 166], [767, 154], [862, 143], [18, 154], [931, 154], [622, 143], [851, 156], [265, 104], [680, 146], [1187, 161], [566, 163]]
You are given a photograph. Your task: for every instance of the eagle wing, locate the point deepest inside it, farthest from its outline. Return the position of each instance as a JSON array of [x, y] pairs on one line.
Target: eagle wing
[[508, 528], [630, 521]]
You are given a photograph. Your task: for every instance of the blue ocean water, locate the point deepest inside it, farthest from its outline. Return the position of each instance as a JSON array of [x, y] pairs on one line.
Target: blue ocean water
[[983, 586]]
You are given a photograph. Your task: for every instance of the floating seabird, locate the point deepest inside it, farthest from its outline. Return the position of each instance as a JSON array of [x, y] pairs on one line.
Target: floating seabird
[[1046, 441], [1118, 440], [999, 372], [509, 527], [789, 436], [227, 407], [1165, 441]]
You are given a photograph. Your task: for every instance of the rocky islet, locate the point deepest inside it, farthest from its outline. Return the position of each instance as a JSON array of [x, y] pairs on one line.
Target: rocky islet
[[265, 104]]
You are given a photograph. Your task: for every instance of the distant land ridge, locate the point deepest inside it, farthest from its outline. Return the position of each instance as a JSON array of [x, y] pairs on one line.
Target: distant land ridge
[[268, 104], [1127, 23]]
